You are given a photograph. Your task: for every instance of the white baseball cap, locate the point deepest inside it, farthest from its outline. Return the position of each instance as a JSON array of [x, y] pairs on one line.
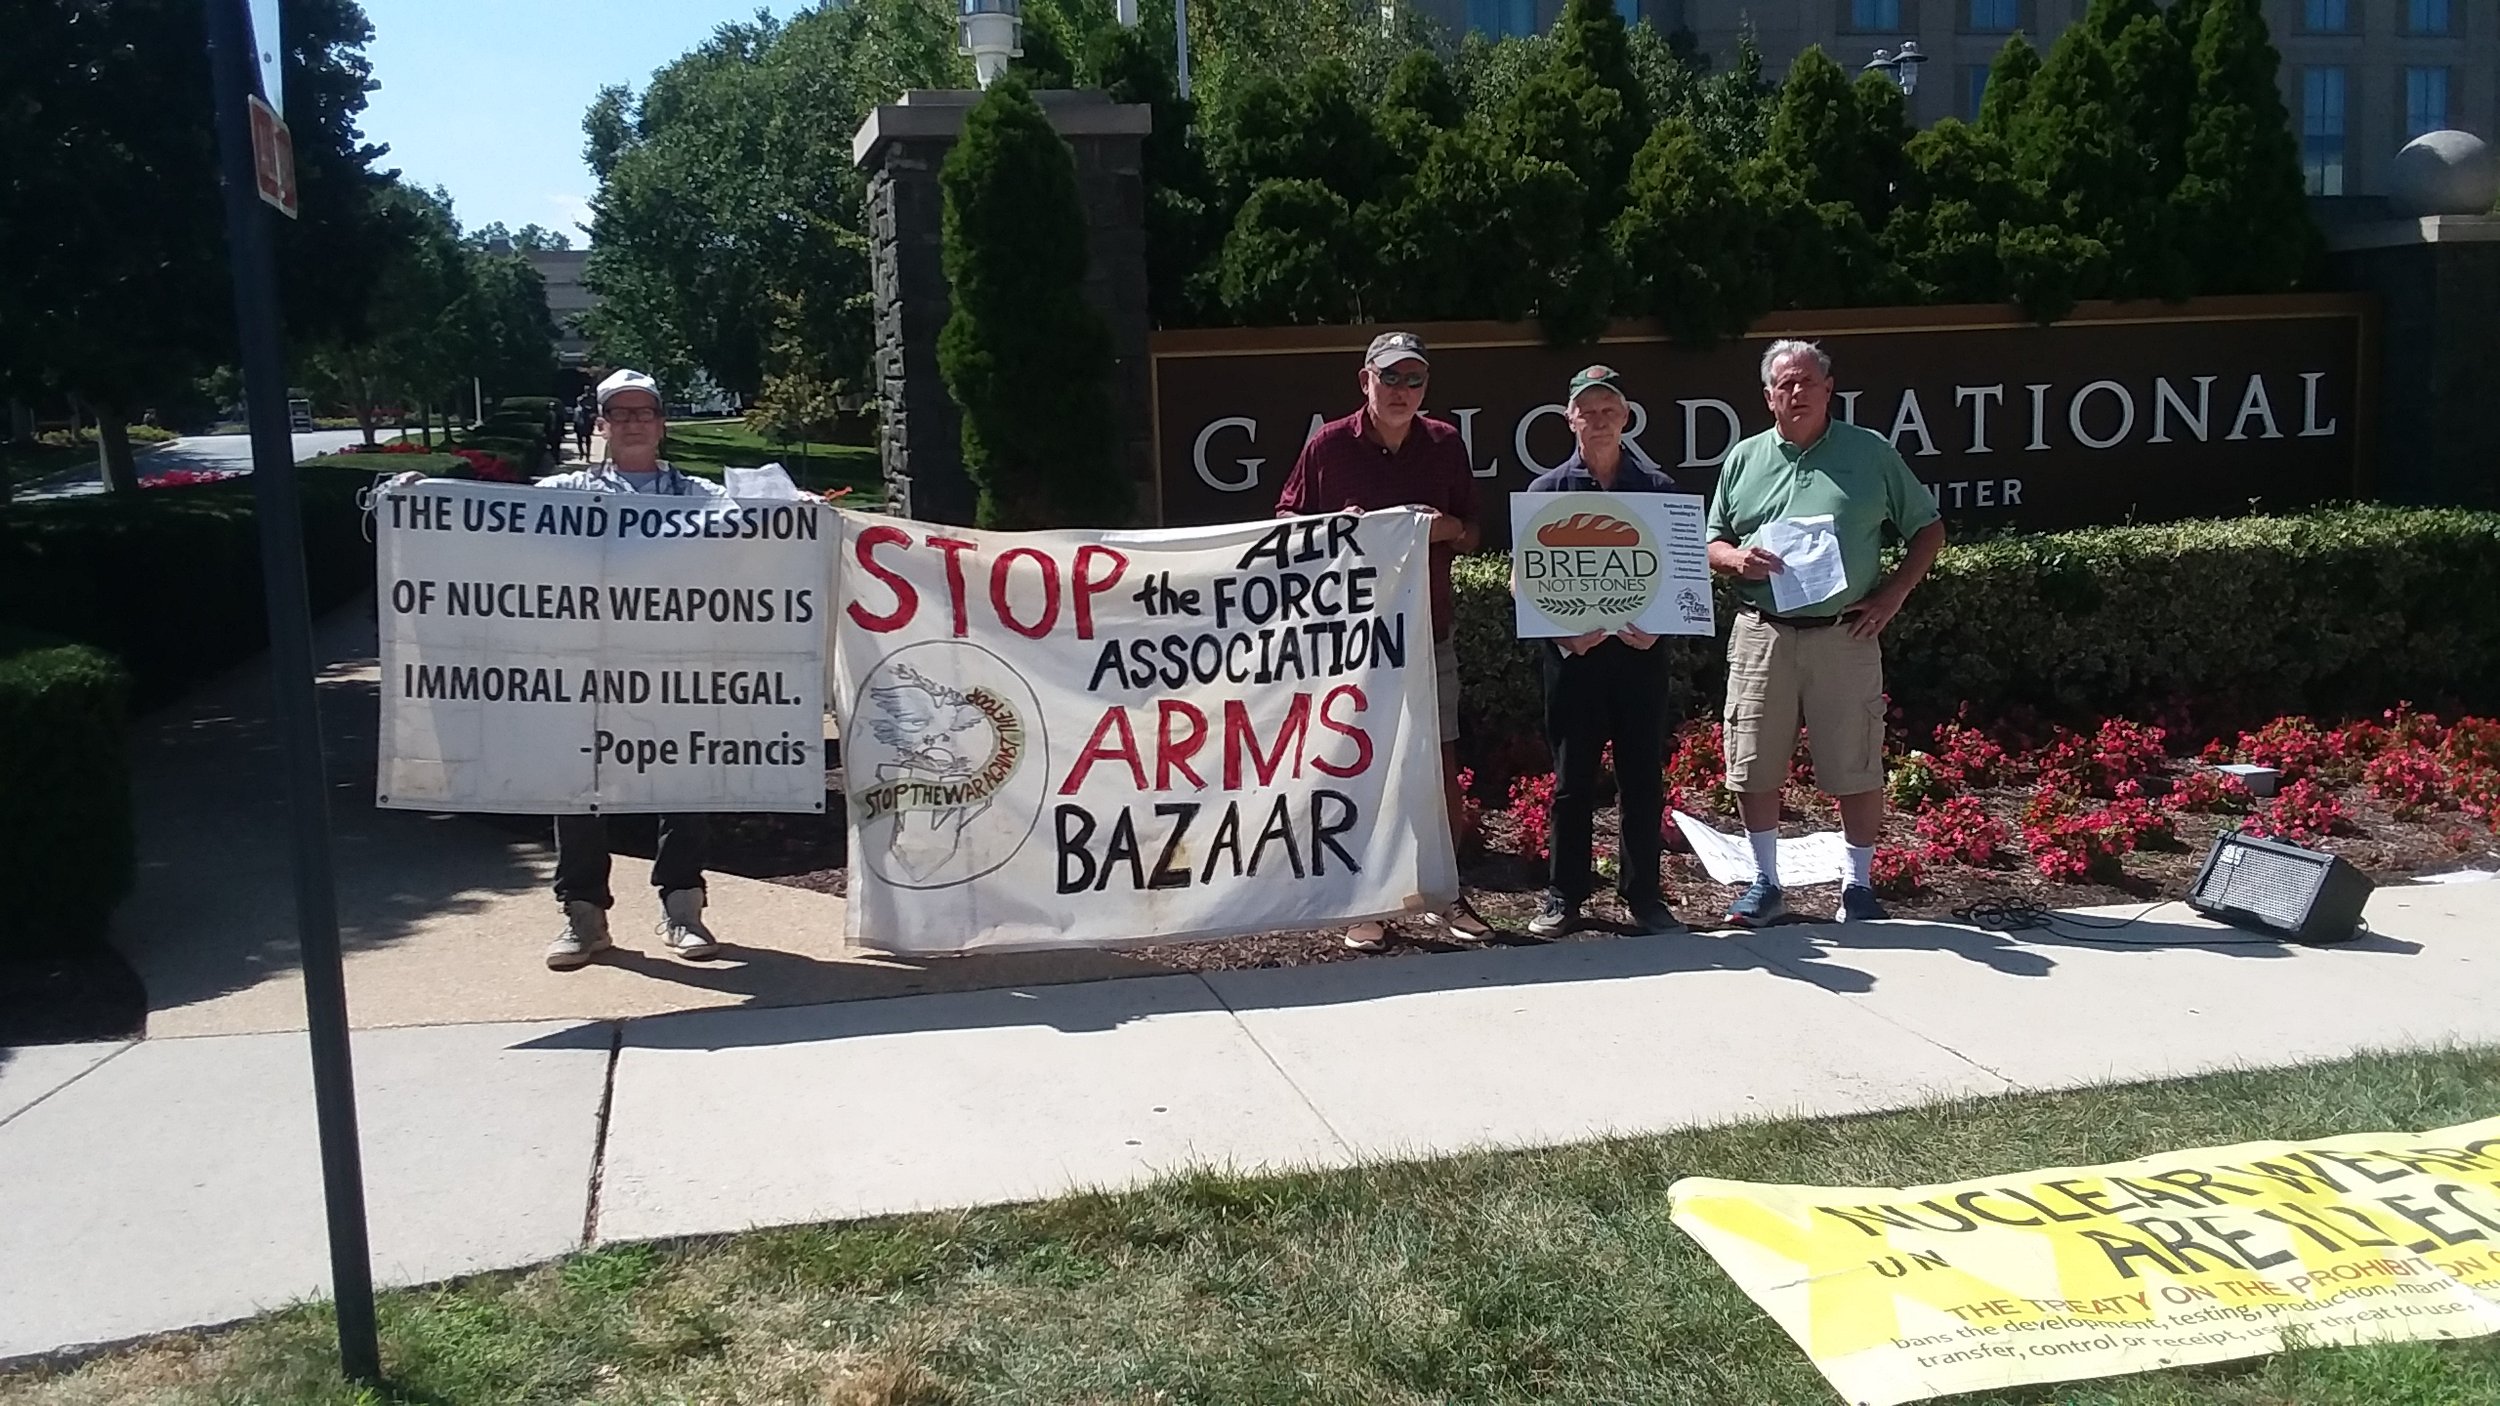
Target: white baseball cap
[[627, 380]]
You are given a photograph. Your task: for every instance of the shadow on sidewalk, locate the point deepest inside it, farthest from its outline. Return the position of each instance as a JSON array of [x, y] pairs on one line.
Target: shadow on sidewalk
[[213, 909], [1081, 1007]]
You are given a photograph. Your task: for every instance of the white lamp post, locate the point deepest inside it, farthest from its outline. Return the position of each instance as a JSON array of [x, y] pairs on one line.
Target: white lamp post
[[992, 31], [1901, 67]]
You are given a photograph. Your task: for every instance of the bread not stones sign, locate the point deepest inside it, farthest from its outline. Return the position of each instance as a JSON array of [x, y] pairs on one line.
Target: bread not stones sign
[[1604, 561], [1072, 739], [2123, 412]]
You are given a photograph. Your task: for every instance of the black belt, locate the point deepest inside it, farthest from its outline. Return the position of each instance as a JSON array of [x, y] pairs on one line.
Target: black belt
[[1794, 622]]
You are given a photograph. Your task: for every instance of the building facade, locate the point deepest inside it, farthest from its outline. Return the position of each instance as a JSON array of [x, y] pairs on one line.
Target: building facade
[[2360, 77], [567, 300]]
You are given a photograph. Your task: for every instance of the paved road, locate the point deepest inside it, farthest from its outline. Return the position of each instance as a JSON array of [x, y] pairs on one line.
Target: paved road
[[202, 452]]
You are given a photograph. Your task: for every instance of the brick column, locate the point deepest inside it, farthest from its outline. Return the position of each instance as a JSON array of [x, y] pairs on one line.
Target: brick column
[[901, 146]]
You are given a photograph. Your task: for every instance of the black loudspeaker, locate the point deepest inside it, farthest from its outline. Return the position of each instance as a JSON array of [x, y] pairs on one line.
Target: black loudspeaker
[[2281, 888]]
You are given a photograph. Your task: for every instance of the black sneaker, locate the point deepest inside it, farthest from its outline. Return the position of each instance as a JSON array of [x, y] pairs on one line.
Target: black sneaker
[[1555, 918], [1655, 919]]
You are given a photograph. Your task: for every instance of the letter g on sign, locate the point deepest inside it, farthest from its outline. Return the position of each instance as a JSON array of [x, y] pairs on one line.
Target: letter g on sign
[[1249, 467]]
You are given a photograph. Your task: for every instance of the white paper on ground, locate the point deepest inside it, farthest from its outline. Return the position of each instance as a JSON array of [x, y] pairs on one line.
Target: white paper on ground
[[2459, 876], [1811, 570], [1819, 858]]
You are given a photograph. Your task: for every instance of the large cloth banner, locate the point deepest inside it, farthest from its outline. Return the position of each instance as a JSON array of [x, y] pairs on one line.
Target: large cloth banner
[[547, 651], [2187, 1257], [1063, 739]]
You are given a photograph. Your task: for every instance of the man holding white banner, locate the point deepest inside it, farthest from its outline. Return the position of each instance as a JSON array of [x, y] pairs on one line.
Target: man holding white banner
[[1388, 454], [604, 654]]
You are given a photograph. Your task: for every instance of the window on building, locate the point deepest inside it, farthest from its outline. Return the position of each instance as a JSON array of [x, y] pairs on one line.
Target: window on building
[[2426, 16], [1875, 14], [2322, 129], [1974, 90], [1502, 19], [1994, 16], [2326, 16], [2426, 101]]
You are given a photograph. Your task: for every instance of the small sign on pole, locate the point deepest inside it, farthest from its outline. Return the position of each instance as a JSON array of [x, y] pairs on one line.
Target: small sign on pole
[[273, 157]]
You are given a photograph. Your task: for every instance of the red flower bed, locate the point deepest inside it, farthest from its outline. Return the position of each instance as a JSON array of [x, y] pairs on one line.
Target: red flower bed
[[1964, 832], [184, 478]]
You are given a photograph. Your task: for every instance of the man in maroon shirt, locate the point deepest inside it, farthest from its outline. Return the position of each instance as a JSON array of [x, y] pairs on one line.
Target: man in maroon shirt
[[1387, 455]]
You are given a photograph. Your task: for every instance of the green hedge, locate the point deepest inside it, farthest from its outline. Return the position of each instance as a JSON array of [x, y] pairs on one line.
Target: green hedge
[[533, 407], [2202, 623], [167, 580], [64, 789]]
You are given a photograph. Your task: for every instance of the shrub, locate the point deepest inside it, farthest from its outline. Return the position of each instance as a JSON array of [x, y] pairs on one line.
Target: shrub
[[64, 789], [1902, 873], [2303, 812], [1022, 352], [1963, 832], [2334, 612], [1917, 779], [2212, 793], [169, 583], [1532, 813]]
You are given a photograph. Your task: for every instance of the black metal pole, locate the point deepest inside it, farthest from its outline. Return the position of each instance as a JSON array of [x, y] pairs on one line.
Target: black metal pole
[[231, 65]]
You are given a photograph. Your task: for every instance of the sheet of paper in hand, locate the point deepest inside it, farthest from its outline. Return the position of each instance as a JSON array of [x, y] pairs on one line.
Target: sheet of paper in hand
[[554, 652], [1605, 561], [1076, 739], [1811, 569]]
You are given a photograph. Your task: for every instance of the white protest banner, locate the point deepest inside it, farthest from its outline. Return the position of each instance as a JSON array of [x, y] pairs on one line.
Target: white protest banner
[[549, 651], [1604, 561], [1064, 739]]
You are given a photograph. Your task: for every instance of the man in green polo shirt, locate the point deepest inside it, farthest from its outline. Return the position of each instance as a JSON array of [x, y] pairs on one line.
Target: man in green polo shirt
[[1819, 662]]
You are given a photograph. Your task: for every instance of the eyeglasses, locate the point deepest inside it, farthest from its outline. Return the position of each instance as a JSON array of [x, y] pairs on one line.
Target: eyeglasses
[[633, 415], [1412, 380]]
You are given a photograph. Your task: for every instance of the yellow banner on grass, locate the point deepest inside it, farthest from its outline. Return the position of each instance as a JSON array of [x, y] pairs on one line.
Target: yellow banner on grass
[[1903, 1294]]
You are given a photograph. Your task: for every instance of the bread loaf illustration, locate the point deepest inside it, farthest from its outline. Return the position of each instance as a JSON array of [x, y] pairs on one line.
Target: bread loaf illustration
[[1589, 530]]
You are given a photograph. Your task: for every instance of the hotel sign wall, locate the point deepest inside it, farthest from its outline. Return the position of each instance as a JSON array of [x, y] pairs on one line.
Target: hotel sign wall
[[2124, 412]]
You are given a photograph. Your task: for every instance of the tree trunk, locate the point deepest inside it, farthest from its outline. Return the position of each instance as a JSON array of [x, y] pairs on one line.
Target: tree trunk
[[425, 422], [112, 451], [21, 423], [364, 418]]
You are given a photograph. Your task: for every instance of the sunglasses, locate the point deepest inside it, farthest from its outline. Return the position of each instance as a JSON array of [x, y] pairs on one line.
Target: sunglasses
[[1412, 380]]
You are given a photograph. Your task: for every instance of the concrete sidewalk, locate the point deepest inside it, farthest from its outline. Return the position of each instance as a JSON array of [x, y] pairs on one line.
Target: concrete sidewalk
[[443, 918], [174, 1182]]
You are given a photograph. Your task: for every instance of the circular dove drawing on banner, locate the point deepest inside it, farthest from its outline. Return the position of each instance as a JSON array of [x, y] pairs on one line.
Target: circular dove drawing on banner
[[947, 762], [1589, 564]]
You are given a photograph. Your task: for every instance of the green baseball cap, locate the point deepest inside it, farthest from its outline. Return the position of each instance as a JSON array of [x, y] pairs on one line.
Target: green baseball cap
[[1592, 378]]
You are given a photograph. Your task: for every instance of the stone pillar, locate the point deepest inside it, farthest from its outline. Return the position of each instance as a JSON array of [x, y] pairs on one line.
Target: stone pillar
[[901, 146], [2437, 280]]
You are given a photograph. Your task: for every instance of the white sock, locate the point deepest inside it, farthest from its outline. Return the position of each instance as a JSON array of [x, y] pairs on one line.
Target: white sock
[[1862, 865], [1766, 855]]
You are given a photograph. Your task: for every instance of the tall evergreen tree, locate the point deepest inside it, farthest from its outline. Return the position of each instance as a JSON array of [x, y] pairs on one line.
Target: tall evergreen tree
[[1021, 352], [2102, 131], [2010, 77], [1687, 237], [2242, 209]]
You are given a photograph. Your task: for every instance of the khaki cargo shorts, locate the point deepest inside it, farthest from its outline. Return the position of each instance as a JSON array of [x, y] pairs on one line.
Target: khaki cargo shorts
[[1779, 676]]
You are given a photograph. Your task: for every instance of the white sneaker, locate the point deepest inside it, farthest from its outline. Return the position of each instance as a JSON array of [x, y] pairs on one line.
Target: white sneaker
[[681, 925], [585, 936]]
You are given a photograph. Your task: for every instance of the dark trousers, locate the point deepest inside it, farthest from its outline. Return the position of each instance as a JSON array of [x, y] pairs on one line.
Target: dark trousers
[[1618, 694], [582, 856]]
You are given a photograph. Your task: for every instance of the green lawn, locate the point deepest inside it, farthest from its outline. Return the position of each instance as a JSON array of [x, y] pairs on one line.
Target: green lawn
[[1515, 1277], [708, 446]]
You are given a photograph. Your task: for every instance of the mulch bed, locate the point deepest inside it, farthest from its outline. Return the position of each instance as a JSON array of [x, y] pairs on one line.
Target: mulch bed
[[1506, 886]]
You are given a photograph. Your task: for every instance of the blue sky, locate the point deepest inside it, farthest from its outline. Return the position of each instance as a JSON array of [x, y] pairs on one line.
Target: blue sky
[[485, 97]]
